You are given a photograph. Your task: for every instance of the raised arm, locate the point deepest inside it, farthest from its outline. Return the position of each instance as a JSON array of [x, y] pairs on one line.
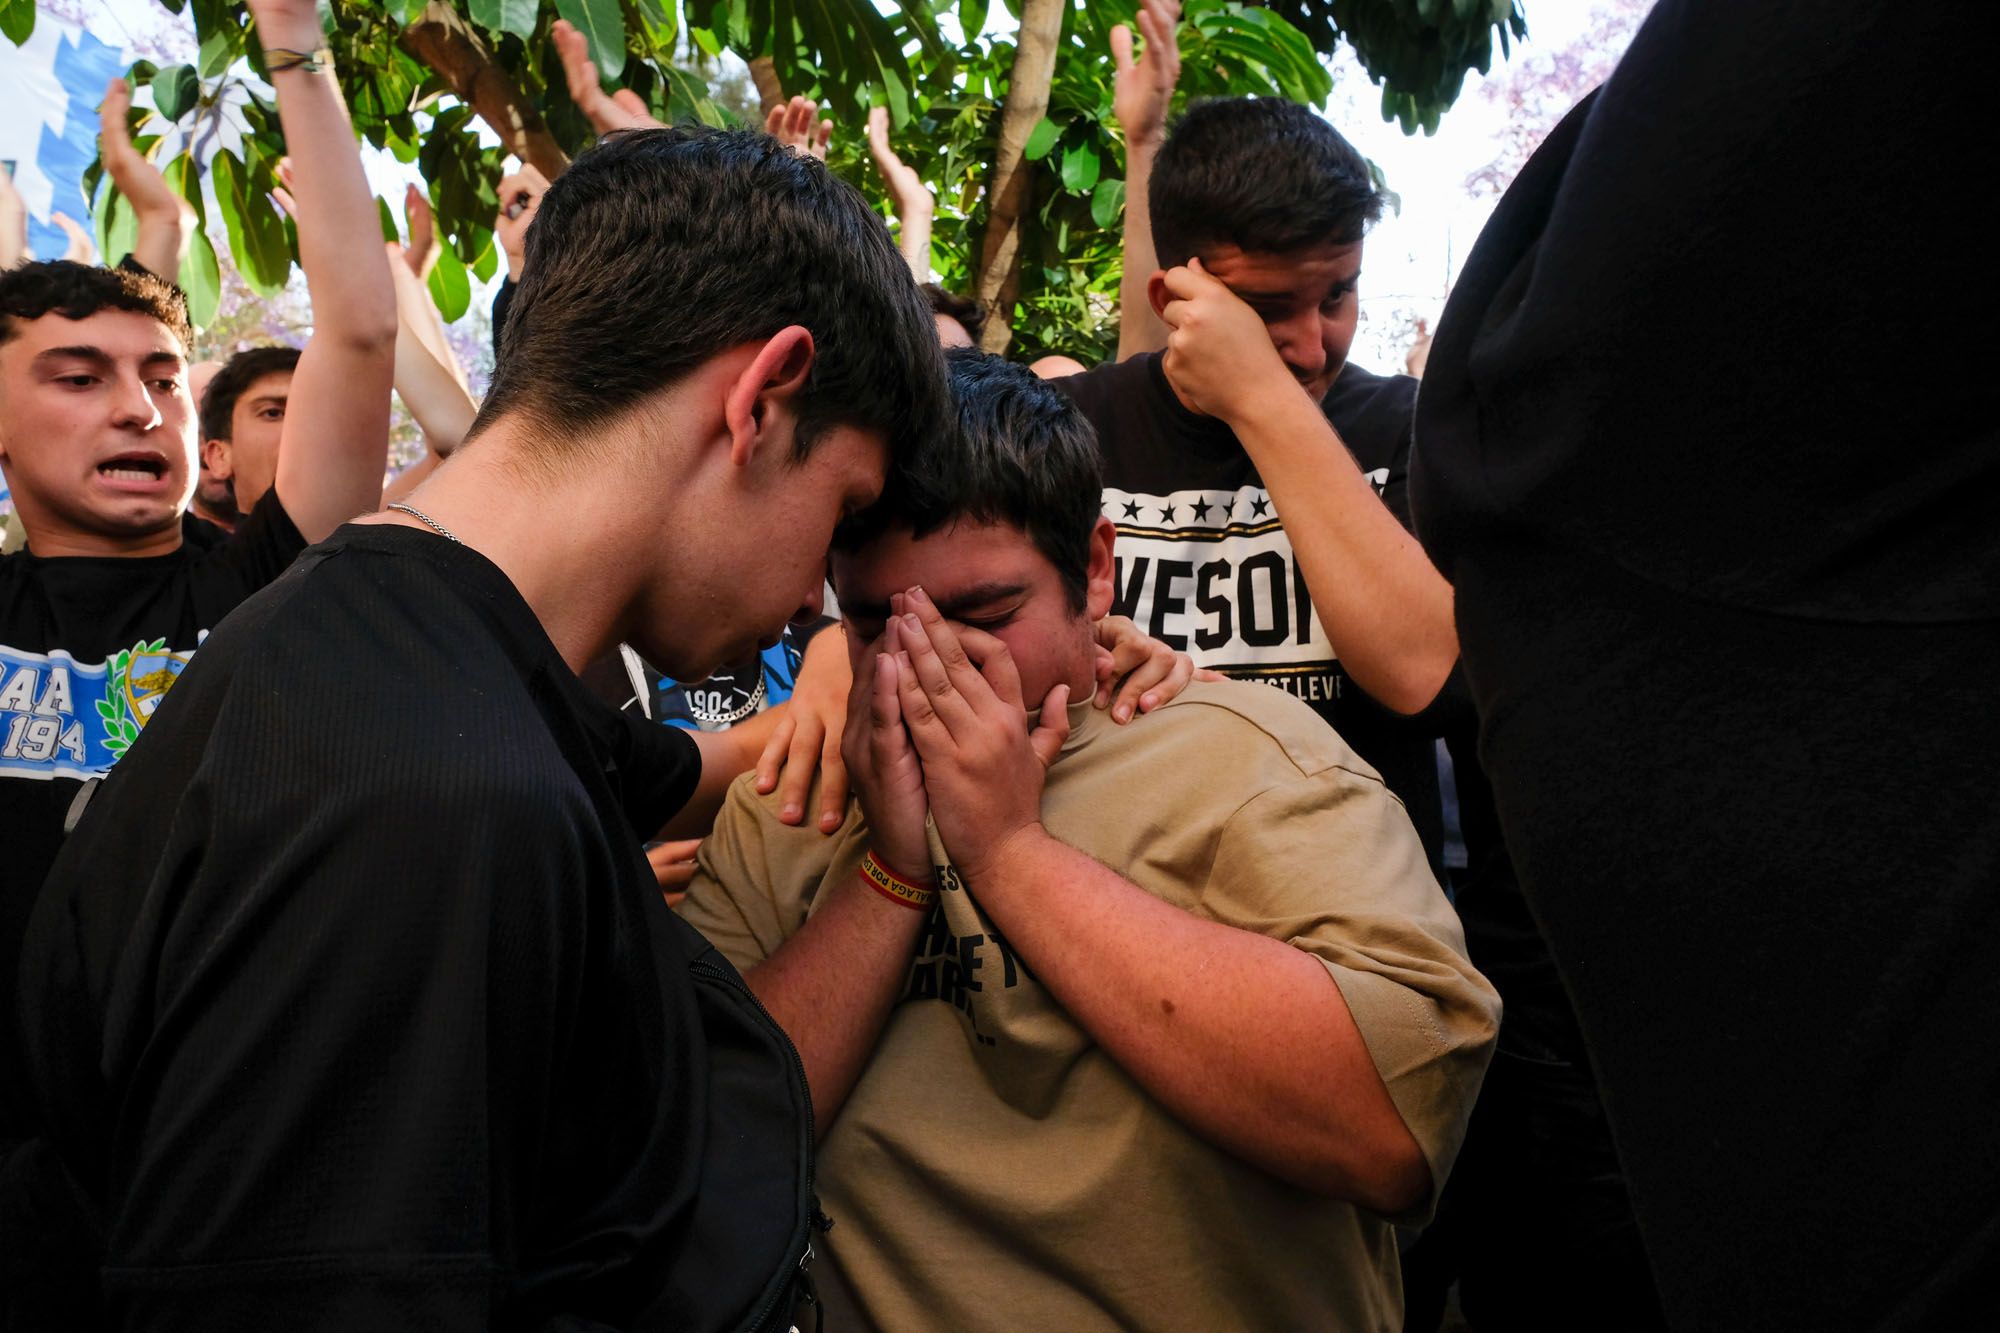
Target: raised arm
[[336, 440], [622, 110], [1142, 96], [1386, 609], [166, 221], [915, 207], [13, 225], [429, 379]]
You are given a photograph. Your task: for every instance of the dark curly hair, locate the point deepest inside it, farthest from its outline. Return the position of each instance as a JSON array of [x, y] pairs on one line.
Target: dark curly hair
[[78, 291]]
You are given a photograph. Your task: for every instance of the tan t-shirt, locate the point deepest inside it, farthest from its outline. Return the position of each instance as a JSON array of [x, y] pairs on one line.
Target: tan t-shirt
[[995, 1169]]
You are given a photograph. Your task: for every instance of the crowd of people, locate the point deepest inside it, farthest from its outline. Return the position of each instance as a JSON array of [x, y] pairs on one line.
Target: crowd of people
[[783, 819]]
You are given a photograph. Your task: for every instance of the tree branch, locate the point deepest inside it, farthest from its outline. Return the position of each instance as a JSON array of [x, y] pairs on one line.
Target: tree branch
[[443, 41], [1027, 102], [770, 93]]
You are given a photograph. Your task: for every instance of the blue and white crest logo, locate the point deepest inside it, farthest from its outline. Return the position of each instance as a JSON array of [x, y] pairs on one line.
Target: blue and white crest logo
[[147, 676], [60, 718]]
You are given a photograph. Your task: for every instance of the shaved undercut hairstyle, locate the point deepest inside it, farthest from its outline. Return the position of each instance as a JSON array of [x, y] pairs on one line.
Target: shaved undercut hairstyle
[[1261, 173], [78, 291], [661, 248], [1019, 452]]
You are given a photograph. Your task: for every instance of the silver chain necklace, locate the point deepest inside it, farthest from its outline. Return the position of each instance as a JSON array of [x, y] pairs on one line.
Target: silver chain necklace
[[426, 520]]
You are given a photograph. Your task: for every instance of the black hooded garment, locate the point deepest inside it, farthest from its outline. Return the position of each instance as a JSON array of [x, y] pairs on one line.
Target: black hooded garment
[[1707, 447]]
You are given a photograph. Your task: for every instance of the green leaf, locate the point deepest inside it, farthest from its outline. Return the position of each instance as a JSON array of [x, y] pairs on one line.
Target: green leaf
[[186, 180], [257, 236], [218, 51], [388, 219], [17, 20], [117, 228], [1107, 203], [201, 279], [1080, 166], [1042, 138], [176, 89], [515, 16], [450, 287], [488, 262], [710, 44], [603, 23]]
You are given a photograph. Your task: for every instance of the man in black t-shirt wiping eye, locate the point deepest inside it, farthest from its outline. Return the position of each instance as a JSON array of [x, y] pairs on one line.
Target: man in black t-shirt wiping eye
[[1256, 479]]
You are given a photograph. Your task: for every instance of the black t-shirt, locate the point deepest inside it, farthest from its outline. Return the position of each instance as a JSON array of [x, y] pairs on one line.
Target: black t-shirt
[[1709, 448], [352, 1002], [88, 648], [1203, 565]]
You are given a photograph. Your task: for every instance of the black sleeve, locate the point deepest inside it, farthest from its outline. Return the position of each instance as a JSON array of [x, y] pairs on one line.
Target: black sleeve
[[264, 544], [656, 766]]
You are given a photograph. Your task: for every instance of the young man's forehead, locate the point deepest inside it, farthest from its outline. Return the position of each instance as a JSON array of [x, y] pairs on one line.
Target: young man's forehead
[[119, 334], [959, 566], [1249, 272]]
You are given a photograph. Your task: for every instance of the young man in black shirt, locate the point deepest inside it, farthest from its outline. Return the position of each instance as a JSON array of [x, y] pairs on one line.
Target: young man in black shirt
[[357, 1005], [243, 412], [103, 610], [1258, 210]]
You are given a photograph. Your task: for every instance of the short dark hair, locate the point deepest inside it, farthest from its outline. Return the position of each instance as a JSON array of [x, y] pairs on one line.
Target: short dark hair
[[967, 310], [1261, 173], [238, 373], [660, 248], [78, 291], [1019, 453]]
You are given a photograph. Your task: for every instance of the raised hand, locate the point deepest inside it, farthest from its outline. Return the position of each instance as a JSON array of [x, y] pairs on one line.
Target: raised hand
[[1144, 89], [961, 699], [13, 225], [422, 251], [622, 110], [520, 195], [914, 205], [166, 221], [82, 247], [791, 124]]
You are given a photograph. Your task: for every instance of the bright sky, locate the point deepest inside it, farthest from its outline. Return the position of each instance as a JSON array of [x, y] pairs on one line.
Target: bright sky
[[1411, 257]]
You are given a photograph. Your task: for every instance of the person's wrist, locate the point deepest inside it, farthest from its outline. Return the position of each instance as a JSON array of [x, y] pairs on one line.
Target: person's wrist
[[283, 43], [896, 884], [1009, 850]]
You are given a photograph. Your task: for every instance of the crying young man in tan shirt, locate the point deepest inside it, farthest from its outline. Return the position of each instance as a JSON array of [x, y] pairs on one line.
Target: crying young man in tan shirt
[[1161, 1025]]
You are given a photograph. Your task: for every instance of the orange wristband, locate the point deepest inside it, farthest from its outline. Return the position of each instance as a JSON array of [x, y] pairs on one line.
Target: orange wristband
[[894, 887]]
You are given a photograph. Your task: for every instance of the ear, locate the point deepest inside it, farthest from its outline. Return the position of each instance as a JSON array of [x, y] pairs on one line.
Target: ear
[[215, 456], [1098, 579], [1157, 295], [774, 375]]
